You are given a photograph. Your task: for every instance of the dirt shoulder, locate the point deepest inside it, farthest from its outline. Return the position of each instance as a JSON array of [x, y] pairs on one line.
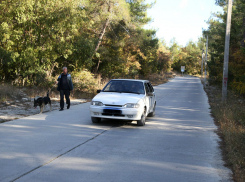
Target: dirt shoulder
[[230, 119], [19, 109], [18, 102]]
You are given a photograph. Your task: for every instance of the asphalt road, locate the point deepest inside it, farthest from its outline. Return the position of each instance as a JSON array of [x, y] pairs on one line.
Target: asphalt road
[[178, 145]]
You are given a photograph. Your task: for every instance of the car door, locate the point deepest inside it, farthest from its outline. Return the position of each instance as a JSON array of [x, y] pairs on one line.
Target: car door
[[153, 98], [148, 98]]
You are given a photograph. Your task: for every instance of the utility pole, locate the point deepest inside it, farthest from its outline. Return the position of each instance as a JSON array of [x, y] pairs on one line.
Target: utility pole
[[202, 63], [206, 60], [227, 49]]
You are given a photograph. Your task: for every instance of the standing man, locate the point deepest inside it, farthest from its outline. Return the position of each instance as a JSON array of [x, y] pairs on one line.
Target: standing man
[[64, 86]]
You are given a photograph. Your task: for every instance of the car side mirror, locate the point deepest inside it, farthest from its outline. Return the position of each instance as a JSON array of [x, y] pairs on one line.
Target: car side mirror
[[150, 94], [98, 91]]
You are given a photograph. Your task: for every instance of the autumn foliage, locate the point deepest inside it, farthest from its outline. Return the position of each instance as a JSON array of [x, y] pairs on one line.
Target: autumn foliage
[[39, 37]]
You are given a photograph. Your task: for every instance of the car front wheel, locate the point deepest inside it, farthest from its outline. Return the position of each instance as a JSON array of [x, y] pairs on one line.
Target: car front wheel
[[95, 120], [141, 122]]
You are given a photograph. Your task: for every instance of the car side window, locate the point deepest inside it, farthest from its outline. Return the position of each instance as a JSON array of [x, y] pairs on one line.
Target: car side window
[[151, 87], [147, 88]]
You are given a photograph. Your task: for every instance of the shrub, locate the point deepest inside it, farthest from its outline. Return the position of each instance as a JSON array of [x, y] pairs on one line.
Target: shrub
[[239, 86], [84, 81]]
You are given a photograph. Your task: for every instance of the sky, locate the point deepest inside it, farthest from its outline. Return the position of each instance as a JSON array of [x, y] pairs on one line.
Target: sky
[[181, 19]]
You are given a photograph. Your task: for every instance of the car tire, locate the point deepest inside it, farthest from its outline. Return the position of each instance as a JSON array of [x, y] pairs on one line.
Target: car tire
[[141, 122], [152, 114], [95, 120]]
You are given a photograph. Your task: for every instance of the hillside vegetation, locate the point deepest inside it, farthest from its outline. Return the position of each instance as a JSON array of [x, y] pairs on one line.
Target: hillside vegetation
[[106, 38], [38, 38]]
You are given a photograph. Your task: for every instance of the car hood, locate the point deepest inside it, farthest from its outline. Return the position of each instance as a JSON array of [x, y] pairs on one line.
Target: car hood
[[112, 98]]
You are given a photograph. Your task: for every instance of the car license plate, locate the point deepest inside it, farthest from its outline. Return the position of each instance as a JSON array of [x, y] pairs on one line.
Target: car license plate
[[112, 111]]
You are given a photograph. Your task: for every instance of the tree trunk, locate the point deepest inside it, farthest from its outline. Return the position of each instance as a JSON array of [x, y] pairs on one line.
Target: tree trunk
[[101, 37], [97, 68]]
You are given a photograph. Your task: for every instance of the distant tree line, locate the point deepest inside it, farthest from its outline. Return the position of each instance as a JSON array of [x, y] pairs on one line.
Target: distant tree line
[[189, 56]]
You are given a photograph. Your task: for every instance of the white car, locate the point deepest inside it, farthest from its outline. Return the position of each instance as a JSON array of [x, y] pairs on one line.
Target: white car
[[124, 99]]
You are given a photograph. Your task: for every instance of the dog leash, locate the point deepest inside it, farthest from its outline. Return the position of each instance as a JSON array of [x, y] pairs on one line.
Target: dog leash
[[52, 87]]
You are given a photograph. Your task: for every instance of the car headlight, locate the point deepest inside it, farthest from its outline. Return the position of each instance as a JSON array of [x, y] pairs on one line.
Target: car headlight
[[132, 105], [96, 103]]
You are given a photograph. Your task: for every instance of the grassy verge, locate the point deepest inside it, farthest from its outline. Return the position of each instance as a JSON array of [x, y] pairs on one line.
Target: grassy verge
[[230, 118]]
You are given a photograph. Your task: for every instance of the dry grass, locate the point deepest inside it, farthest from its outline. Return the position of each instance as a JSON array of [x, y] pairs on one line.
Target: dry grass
[[9, 92], [230, 118]]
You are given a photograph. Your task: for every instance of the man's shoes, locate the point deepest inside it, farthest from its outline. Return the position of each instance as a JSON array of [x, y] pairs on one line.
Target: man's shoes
[[68, 107], [61, 109]]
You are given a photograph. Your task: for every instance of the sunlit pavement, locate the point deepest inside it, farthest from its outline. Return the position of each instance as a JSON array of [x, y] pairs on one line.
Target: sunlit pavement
[[178, 144]]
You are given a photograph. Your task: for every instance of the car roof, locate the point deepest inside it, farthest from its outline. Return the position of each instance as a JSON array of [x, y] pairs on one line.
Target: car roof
[[132, 80]]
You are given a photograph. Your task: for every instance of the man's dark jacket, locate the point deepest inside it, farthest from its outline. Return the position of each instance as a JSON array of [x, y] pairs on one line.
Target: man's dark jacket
[[69, 81]]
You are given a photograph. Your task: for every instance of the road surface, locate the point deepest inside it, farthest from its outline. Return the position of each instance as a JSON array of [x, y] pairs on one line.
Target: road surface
[[178, 144]]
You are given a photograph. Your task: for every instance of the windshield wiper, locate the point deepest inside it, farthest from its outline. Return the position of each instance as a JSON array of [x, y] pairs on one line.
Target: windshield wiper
[[131, 92], [112, 91], [123, 92]]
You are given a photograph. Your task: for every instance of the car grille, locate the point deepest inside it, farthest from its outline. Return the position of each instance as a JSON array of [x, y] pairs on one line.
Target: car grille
[[113, 105], [117, 115]]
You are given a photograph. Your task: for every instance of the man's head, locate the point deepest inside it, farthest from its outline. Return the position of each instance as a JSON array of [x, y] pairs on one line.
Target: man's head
[[65, 70]]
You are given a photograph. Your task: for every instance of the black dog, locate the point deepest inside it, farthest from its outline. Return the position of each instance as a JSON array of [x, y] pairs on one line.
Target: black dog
[[42, 101]]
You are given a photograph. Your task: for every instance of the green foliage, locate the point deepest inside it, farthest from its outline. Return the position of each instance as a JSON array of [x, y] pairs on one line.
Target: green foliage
[[138, 10], [163, 58], [39, 37], [189, 56], [239, 86], [84, 81], [216, 33], [37, 33]]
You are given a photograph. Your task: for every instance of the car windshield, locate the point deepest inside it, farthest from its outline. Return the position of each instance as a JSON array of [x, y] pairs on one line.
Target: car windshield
[[125, 86]]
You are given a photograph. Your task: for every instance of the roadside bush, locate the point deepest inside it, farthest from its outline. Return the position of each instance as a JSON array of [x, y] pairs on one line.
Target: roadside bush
[[84, 81], [239, 86]]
